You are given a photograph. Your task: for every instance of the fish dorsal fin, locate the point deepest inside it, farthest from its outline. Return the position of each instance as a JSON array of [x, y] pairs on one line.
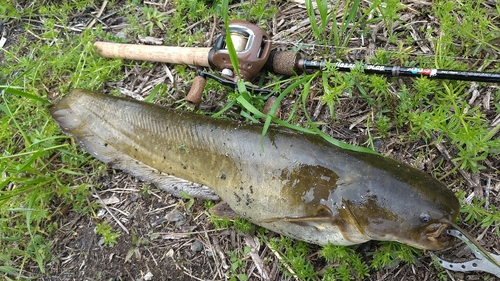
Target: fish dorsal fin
[[223, 210]]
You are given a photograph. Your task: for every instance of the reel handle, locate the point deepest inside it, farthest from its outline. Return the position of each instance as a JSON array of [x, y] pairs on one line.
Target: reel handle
[[196, 91]]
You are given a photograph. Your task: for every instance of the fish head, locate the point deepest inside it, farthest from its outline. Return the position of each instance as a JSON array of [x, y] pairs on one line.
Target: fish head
[[399, 203], [416, 222], [414, 216]]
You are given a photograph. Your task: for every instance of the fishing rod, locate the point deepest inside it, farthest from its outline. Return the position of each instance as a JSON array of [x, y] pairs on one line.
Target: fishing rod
[[254, 53], [290, 62]]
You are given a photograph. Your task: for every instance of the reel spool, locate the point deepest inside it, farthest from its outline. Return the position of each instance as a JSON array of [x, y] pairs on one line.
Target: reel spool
[[253, 48], [252, 45], [239, 41]]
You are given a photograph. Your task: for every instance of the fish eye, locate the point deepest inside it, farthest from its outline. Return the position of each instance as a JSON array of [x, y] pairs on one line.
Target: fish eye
[[425, 218]]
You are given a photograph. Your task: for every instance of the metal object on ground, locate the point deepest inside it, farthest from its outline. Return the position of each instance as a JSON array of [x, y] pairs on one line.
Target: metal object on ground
[[481, 263]]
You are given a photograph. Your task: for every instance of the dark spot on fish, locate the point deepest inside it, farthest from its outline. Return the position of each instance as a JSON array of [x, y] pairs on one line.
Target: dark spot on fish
[[184, 166], [137, 162], [105, 144], [251, 189], [164, 157], [223, 176], [241, 187], [238, 198], [248, 200], [310, 184], [135, 149], [175, 187]]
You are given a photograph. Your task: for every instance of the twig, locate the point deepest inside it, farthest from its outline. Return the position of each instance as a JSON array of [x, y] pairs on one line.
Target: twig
[[152, 256], [99, 14], [487, 195], [190, 275], [253, 242], [287, 266], [447, 156], [109, 211], [214, 254], [212, 32]]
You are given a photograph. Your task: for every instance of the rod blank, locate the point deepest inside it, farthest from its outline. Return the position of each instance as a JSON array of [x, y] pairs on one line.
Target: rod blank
[[289, 62]]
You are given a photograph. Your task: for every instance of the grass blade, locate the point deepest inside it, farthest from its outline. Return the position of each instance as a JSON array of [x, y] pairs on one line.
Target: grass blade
[[13, 91]]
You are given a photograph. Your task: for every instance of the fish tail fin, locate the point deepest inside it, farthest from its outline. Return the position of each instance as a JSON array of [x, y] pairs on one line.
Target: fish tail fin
[[79, 115]]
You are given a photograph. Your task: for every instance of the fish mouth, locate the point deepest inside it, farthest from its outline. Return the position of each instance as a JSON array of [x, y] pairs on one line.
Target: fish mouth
[[436, 233]]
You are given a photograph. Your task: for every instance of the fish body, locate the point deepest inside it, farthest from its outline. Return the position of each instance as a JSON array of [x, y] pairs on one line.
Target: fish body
[[292, 183]]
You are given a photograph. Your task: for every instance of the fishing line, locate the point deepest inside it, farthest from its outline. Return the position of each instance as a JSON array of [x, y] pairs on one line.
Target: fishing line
[[474, 244]]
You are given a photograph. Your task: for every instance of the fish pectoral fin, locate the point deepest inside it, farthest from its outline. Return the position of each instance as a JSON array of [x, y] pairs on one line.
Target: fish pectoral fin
[[223, 210], [304, 221], [351, 218]]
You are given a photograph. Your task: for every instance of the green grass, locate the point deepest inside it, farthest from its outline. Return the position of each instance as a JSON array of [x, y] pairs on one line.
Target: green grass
[[41, 174]]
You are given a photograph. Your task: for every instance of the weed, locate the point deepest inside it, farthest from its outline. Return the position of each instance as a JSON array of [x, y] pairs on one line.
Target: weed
[[442, 275], [238, 264], [8, 10], [294, 255], [260, 11], [106, 231], [30, 183], [190, 201], [392, 253], [476, 213], [389, 11], [337, 84], [351, 265], [154, 19], [452, 117], [238, 224], [135, 251], [328, 32]]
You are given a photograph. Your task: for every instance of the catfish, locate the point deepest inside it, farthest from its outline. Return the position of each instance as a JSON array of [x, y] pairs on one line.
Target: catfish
[[293, 183]]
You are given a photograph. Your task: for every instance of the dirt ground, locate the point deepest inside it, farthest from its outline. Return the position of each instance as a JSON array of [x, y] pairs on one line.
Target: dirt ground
[[162, 239]]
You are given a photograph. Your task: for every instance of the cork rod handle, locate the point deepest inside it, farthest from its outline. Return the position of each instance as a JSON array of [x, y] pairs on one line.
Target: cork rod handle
[[176, 55]]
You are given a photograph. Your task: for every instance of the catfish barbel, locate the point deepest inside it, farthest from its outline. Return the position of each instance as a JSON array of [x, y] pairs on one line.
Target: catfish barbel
[[292, 183]]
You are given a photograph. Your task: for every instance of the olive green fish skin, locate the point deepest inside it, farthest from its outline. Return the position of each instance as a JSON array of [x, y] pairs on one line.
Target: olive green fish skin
[[345, 197]]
